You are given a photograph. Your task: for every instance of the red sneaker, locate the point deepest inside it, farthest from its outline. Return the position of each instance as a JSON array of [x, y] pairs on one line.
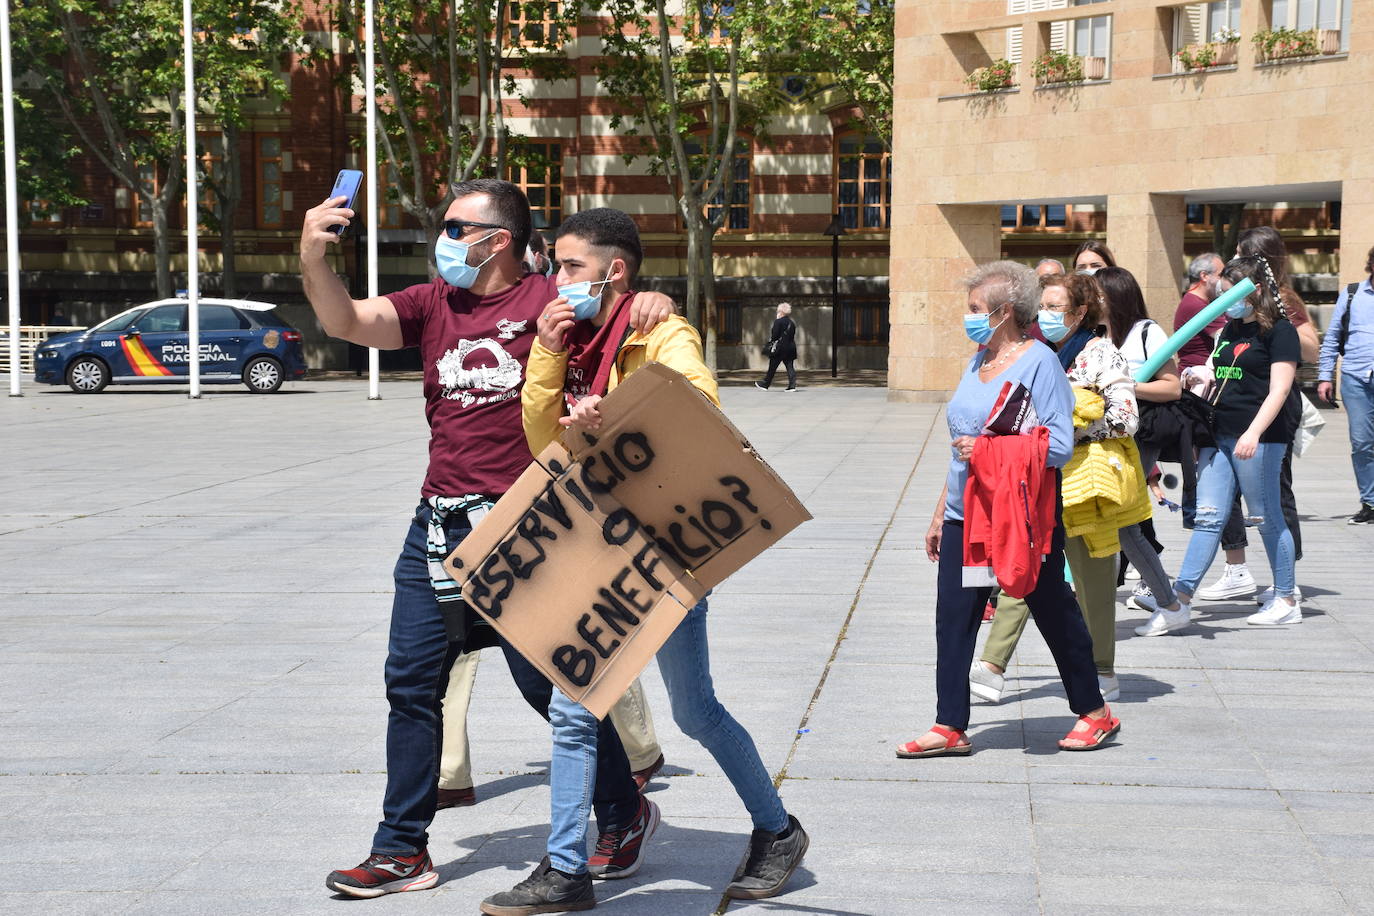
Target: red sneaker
[[989, 611], [384, 874], [643, 776], [619, 853]]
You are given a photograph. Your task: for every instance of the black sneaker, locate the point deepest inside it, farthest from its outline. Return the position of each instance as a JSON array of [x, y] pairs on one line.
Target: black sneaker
[[619, 853], [384, 874], [544, 891], [769, 864], [1364, 517], [760, 386]]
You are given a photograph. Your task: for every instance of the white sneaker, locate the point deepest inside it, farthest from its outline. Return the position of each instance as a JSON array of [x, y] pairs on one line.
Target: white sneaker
[[984, 683], [1165, 621], [1235, 582], [1139, 598], [1277, 613], [1110, 687], [1132, 572], [1267, 595]]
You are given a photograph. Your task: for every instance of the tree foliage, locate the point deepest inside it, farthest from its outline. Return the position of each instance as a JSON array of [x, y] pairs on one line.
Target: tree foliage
[[690, 85], [429, 53], [851, 41]]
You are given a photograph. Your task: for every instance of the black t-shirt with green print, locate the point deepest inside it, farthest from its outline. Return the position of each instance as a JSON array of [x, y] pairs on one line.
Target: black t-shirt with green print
[[1241, 361]]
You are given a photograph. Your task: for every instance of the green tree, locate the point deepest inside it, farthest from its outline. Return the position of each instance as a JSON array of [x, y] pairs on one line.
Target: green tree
[[691, 83], [852, 42], [241, 47], [113, 71], [430, 53], [44, 155]]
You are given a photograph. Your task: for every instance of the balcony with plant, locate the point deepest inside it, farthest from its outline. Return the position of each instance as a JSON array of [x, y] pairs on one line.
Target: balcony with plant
[[1000, 74]]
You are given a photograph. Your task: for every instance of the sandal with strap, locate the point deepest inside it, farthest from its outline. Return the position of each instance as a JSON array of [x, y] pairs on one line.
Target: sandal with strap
[[1098, 732], [951, 747]]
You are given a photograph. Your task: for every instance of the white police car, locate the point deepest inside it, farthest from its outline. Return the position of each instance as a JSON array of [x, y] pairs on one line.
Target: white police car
[[240, 341]]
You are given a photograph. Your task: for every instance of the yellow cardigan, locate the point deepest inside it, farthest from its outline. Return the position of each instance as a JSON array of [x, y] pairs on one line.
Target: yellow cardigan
[[1104, 486], [673, 342]]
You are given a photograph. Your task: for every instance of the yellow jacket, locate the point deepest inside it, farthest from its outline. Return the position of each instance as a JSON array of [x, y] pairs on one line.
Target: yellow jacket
[[1104, 486], [672, 342]]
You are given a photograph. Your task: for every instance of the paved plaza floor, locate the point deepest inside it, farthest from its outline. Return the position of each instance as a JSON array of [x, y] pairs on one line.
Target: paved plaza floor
[[193, 620]]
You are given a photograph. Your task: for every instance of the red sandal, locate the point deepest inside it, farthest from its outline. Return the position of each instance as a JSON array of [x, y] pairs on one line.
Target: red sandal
[[951, 747], [1099, 731]]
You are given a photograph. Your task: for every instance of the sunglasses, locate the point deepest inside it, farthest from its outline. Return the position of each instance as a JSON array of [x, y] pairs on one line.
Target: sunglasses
[[457, 228]]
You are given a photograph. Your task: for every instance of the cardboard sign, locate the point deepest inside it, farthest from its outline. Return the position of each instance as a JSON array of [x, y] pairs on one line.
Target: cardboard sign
[[603, 545]]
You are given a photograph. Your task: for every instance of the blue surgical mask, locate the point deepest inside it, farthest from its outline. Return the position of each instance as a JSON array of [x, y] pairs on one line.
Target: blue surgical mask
[[978, 329], [579, 296], [1241, 310], [1052, 325], [451, 257]]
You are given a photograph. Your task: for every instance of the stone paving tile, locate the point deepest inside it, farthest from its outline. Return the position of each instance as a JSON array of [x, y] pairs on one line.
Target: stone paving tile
[[211, 678]]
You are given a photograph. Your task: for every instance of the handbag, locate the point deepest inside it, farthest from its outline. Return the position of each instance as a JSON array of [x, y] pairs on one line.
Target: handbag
[[770, 348], [1311, 423]]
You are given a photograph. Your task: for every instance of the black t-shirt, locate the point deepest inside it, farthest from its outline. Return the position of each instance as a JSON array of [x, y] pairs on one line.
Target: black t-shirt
[[1241, 360]]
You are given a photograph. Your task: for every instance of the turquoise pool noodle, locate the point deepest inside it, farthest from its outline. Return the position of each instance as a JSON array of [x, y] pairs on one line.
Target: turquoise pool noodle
[[1186, 333]]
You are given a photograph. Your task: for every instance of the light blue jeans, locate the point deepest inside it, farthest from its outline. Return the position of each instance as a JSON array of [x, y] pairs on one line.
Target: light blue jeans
[[1358, 396], [1219, 473], [684, 661]]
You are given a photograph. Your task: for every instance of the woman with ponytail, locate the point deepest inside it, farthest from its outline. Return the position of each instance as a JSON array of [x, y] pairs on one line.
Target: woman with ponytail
[[1257, 414]]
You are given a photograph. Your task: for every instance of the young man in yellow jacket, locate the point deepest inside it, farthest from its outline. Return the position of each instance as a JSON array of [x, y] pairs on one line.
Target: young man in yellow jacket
[[585, 347]]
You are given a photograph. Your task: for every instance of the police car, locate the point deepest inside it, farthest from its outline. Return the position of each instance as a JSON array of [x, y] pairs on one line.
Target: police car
[[240, 341]]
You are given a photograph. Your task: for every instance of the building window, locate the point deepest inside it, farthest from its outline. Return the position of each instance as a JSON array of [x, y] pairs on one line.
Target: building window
[[863, 182], [1092, 37], [1198, 215], [390, 212], [1307, 14], [537, 167], [149, 181], [864, 323], [43, 214], [718, 25], [534, 23], [1035, 216], [734, 194], [269, 183], [729, 321], [210, 174]]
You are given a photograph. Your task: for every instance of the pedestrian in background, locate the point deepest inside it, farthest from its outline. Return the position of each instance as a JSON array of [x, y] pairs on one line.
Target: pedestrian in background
[[1351, 337], [781, 348]]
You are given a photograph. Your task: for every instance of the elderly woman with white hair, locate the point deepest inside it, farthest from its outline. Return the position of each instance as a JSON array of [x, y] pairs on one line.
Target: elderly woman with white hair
[[1003, 301], [781, 348]]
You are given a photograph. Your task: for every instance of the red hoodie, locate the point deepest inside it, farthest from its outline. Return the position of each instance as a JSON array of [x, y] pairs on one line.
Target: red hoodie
[[1009, 508]]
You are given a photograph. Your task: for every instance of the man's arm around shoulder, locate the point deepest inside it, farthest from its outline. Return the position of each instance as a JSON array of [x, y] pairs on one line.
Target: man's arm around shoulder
[[367, 322]]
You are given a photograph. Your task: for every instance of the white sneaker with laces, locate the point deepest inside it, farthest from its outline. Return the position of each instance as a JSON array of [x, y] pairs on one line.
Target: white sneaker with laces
[[1165, 621], [1110, 687], [1235, 582], [1277, 613], [1267, 595], [1139, 598], [984, 683]]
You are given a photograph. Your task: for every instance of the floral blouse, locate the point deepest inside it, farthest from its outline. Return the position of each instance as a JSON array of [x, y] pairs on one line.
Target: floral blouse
[[1100, 367]]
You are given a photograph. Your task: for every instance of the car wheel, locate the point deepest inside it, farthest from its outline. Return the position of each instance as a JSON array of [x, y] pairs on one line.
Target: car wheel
[[262, 375], [88, 375]]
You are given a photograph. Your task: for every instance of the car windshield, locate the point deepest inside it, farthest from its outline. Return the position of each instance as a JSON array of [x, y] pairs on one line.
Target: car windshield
[[118, 322]]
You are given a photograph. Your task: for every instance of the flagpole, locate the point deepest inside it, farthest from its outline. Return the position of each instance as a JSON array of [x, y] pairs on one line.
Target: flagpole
[[192, 203], [370, 176]]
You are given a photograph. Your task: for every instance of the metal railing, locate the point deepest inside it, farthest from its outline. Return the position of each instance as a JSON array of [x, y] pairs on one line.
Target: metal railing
[[31, 336]]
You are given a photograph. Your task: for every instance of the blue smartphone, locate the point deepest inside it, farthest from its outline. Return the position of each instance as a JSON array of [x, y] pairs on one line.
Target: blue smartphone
[[349, 182]]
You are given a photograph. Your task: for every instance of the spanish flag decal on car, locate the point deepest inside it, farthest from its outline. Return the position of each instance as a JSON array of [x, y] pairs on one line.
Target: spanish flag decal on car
[[143, 362]]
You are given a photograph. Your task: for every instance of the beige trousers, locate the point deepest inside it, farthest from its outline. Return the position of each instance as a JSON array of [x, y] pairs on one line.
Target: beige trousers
[[631, 717]]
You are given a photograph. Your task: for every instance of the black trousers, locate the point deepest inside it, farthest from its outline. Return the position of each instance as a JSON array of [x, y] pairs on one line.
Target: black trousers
[[773, 368], [959, 612]]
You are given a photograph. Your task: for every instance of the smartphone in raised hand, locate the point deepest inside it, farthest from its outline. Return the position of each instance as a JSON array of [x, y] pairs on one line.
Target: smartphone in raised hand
[[349, 182]]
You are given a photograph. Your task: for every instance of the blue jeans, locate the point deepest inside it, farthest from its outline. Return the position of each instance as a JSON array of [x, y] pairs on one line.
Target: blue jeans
[[1358, 394], [684, 661], [419, 657], [1219, 473]]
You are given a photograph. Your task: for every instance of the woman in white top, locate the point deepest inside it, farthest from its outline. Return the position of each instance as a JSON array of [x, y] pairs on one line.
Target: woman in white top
[[1137, 336]]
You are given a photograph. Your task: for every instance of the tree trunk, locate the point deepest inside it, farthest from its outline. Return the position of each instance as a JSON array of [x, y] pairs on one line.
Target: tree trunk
[[162, 247], [229, 204], [1226, 220], [692, 307], [432, 221], [708, 298]]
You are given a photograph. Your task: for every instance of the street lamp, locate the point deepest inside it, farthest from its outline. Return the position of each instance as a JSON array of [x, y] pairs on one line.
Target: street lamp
[[835, 230]]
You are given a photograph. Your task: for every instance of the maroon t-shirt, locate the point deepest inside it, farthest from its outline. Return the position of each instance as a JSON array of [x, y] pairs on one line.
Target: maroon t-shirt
[[1196, 351], [474, 350]]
